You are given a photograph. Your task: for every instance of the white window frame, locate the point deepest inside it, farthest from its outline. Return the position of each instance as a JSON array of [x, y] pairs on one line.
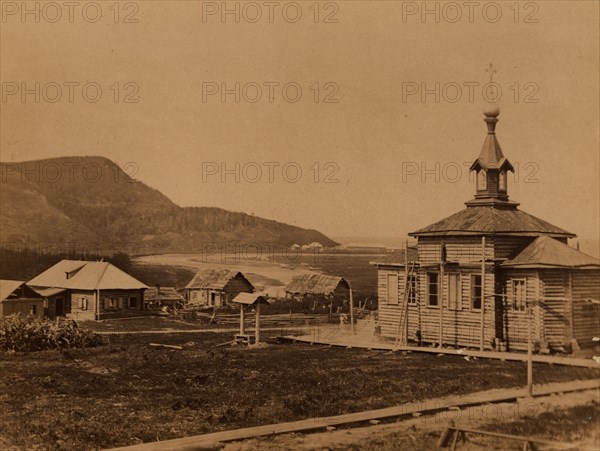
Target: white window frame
[[111, 303], [502, 181], [429, 304], [411, 286], [514, 304], [481, 180], [472, 292]]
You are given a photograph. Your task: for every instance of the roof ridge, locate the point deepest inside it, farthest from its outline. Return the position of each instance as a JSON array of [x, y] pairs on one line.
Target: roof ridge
[[102, 275]]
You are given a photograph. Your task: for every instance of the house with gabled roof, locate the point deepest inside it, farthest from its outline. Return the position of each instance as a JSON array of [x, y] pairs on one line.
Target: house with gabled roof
[[88, 290], [319, 292], [486, 275], [216, 287], [17, 298], [317, 285]]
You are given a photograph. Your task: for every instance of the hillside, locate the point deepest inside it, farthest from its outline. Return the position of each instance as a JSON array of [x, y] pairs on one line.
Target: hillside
[[89, 201]]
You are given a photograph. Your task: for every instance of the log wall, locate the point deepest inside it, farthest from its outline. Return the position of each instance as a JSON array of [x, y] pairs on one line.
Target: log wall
[[83, 304], [461, 326], [586, 324]]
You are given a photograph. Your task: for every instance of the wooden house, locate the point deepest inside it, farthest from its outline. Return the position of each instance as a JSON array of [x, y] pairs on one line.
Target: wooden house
[[158, 296], [317, 285], [216, 287], [486, 275], [17, 298], [86, 290]]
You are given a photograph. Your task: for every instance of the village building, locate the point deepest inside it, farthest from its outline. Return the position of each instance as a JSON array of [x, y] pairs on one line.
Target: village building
[[216, 287], [315, 285], [485, 276], [314, 246], [17, 298], [88, 290], [158, 296]]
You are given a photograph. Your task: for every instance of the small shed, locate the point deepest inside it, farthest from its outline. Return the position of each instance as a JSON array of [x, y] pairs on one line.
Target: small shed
[[216, 287], [18, 298]]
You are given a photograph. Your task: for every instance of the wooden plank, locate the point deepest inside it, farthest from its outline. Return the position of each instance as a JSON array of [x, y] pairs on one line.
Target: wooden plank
[[159, 345], [433, 405], [511, 356]]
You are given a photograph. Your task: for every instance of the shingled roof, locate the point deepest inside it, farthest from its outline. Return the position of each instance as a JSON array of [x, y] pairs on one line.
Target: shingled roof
[[491, 156], [8, 287], [86, 275], [489, 220], [250, 299], [215, 279], [316, 284], [548, 252]]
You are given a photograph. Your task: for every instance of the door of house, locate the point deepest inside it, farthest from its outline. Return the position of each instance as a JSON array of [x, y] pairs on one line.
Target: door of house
[[60, 307], [499, 310], [212, 298]]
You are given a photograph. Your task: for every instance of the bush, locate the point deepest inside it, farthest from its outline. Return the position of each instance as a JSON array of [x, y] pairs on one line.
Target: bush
[[38, 334]]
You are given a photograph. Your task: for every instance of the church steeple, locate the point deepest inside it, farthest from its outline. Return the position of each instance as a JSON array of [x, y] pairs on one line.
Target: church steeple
[[491, 168]]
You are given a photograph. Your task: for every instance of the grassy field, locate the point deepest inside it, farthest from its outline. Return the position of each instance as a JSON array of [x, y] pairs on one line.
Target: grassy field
[[226, 322], [127, 392], [163, 275], [153, 323]]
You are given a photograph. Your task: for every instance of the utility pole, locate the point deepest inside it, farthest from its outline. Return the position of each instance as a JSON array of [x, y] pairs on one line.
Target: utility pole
[[482, 320], [441, 301], [257, 324], [242, 319], [352, 327], [529, 353]]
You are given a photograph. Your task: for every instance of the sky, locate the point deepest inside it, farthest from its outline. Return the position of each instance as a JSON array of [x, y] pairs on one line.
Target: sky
[[354, 118]]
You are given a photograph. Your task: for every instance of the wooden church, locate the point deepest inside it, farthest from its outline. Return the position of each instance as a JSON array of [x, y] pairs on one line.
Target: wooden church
[[485, 276]]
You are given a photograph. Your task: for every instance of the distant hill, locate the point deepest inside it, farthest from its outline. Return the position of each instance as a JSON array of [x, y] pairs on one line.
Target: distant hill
[[92, 201]]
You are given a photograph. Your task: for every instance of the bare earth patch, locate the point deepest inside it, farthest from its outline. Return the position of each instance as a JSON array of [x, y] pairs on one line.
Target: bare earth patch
[[127, 392]]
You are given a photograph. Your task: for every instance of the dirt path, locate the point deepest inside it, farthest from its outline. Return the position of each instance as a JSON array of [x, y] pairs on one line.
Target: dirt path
[[196, 331]]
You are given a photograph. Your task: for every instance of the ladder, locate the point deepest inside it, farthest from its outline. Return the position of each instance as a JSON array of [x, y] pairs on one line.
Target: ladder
[[403, 320]]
